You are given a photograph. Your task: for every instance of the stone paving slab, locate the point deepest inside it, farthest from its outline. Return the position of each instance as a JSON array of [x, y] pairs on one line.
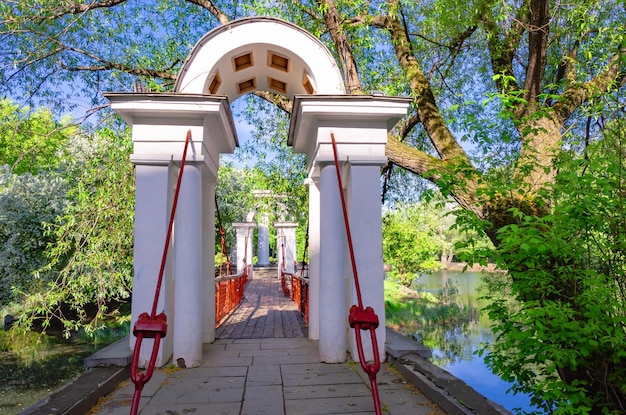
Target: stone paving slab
[[271, 383]]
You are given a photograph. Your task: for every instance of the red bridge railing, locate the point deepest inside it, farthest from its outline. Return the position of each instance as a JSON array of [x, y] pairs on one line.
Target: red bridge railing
[[229, 292], [296, 287]]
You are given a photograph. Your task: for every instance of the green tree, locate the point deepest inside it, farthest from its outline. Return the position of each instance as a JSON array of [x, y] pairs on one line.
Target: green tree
[[569, 353], [412, 242], [89, 260], [30, 141], [515, 81], [27, 203]]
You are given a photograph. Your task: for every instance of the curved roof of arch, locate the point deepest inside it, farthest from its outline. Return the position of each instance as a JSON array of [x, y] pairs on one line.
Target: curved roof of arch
[[259, 53]]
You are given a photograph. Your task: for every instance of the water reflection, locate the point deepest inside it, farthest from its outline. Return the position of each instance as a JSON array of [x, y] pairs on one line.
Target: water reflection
[[454, 343]]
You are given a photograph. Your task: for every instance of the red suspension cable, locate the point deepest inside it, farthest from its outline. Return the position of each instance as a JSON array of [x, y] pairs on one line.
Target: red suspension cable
[[154, 326], [359, 318]]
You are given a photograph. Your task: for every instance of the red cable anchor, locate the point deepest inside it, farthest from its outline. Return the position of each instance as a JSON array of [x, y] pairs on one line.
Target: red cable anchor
[[367, 319], [153, 325], [359, 318], [150, 328]]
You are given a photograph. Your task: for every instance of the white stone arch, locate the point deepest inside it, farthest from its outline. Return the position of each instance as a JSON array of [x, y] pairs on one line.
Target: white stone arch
[[200, 104], [259, 53]]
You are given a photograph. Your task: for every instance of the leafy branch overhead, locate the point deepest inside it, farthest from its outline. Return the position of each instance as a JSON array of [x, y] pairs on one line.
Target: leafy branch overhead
[[428, 49]]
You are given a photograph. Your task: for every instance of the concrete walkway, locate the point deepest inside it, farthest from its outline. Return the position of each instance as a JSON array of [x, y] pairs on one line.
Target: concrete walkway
[[262, 363]]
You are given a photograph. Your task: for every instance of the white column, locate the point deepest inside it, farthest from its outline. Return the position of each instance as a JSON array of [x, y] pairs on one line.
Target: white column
[[152, 201], [314, 259], [286, 245], [188, 269], [290, 247], [209, 183], [364, 211], [263, 251], [333, 314], [245, 236]]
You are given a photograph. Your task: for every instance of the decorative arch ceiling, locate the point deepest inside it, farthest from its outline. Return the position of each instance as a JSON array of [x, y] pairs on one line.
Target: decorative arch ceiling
[[259, 53]]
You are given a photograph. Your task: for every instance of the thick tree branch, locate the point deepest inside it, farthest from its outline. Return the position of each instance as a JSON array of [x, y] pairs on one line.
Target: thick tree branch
[[360, 19], [83, 8], [149, 73], [406, 125], [212, 8], [502, 48], [280, 101], [577, 94], [446, 145], [69, 9], [342, 44], [434, 169], [454, 169], [538, 30]]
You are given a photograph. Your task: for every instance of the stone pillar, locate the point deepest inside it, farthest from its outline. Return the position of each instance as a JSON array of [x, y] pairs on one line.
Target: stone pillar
[[160, 123], [360, 125], [364, 211], [333, 313], [153, 193], [245, 236], [188, 268], [286, 236], [314, 258], [263, 251]]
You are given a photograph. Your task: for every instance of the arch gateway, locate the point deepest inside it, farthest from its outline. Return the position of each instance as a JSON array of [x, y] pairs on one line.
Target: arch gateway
[[246, 55]]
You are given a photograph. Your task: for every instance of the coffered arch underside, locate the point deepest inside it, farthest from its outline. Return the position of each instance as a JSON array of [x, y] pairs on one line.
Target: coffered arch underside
[[259, 53]]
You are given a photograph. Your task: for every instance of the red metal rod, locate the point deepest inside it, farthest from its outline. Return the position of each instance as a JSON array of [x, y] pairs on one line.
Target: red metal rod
[[347, 223], [170, 226]]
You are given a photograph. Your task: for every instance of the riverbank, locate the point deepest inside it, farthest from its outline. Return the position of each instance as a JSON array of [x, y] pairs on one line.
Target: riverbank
[[34, 364], [463, 266]]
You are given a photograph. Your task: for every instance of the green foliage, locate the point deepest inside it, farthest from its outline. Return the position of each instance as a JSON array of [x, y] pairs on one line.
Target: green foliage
[[90, 259], [564, 340], [27, 203], [30, 141], [422, 237]]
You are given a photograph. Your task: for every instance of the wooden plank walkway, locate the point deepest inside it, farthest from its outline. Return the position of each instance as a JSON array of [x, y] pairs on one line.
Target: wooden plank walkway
[[265, 313]]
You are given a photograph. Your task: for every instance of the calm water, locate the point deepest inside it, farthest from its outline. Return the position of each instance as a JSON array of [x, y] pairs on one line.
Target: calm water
[[455, 347]]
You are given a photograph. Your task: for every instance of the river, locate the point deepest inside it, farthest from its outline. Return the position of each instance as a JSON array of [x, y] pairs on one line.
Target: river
[[455, 347]]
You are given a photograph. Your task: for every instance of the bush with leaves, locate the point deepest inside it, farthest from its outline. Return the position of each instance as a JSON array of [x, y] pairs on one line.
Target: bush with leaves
[[411, 242], [30, 140], [90, 261], [564, 341], [27, 202]]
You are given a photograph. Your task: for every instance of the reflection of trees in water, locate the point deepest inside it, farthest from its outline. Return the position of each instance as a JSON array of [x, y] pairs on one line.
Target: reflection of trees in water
[[450, 327]]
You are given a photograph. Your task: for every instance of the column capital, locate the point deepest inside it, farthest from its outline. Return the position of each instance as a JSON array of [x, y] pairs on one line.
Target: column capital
[[285, 225], [244, 224], [160, 123], [360, 124]]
